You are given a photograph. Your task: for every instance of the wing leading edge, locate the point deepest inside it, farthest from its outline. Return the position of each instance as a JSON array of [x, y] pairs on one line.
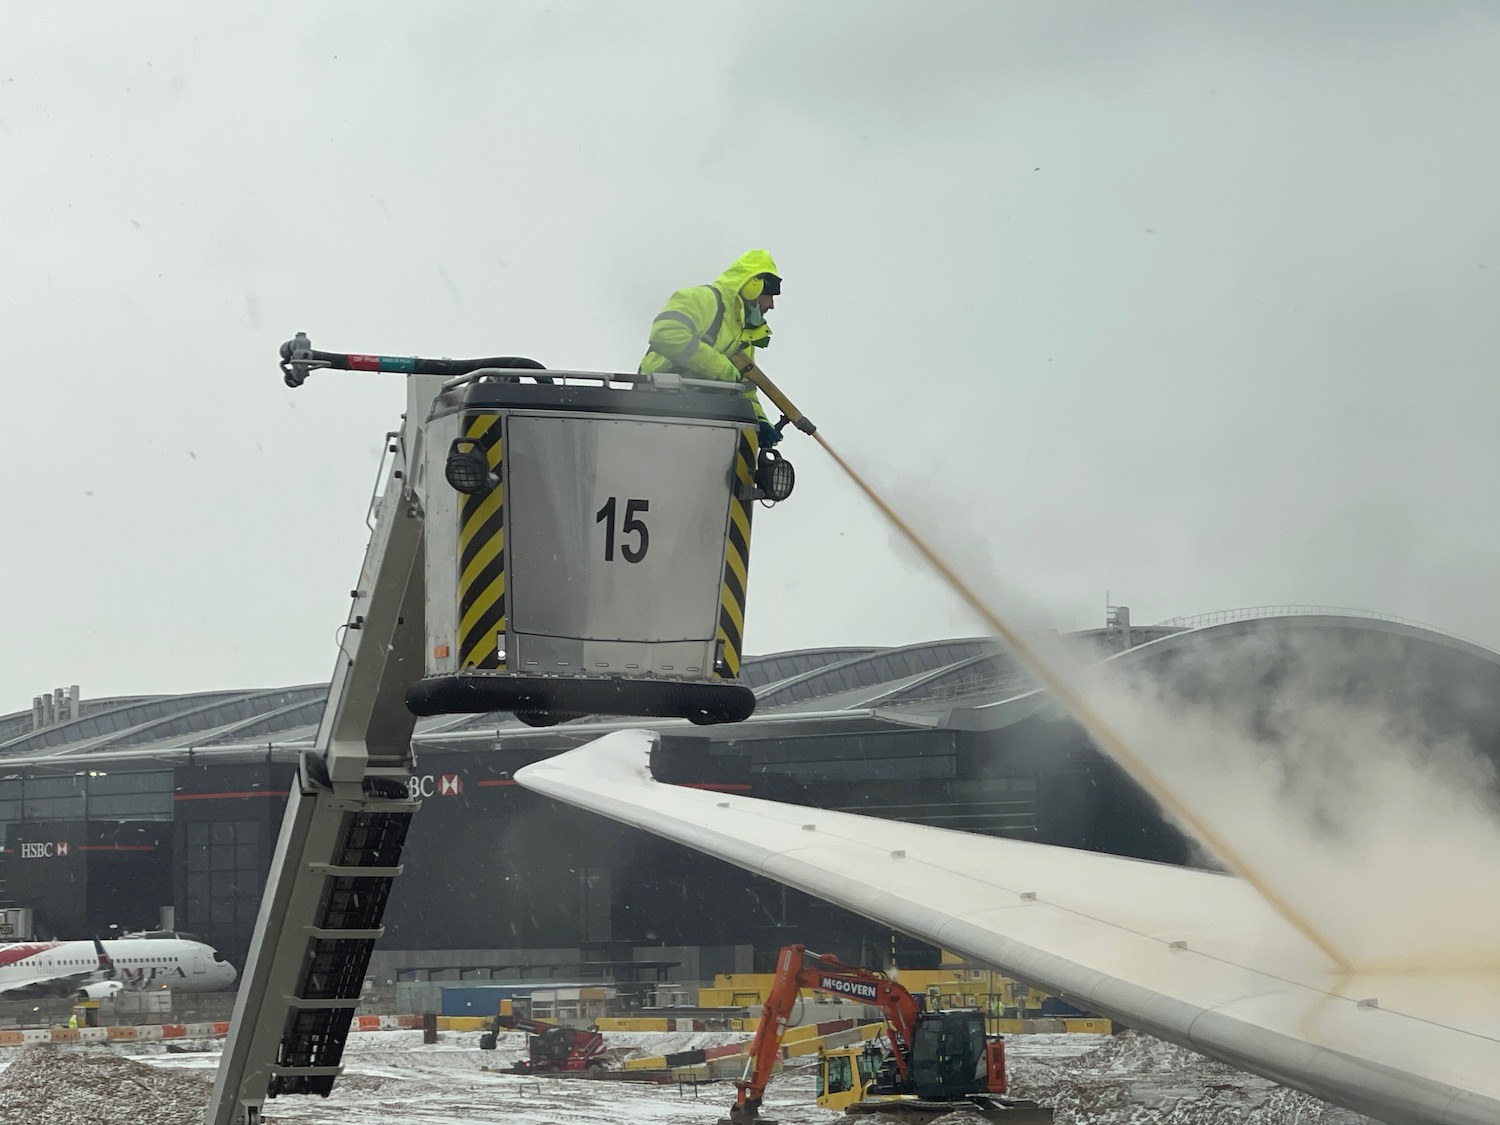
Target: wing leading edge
[[1189, 956]]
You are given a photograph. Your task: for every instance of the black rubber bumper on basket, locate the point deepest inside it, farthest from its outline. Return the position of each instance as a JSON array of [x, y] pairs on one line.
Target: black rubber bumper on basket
[[574, 696]]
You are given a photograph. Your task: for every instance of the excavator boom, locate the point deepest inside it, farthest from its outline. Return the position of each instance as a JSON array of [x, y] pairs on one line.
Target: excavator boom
[[941, 1058], [798, 967]]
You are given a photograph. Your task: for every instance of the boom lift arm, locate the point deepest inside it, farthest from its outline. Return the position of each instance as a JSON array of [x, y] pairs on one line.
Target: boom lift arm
[[551, 1047], [608, 577], [345, 823]]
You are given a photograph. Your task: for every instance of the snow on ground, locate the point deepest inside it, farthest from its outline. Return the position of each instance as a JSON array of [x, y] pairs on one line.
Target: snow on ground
[[1132, 1079], [45, 1086], [392, 1079]]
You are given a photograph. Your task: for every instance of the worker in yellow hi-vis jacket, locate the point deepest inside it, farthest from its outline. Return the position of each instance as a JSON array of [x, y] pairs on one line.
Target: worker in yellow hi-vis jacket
[[704, 327]]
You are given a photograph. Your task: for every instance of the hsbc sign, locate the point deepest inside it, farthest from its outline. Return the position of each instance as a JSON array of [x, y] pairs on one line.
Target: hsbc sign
[[432, 785], [37, 849]]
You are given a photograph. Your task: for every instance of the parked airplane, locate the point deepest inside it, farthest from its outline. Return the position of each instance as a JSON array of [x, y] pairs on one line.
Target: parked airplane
[[1193, 957], [94, 970]]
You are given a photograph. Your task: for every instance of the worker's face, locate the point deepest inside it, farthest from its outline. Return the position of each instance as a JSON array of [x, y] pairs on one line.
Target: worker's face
[[766, 302]]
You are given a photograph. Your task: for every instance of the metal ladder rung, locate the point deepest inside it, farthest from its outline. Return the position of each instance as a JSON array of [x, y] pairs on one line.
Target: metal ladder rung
[[365, 804], [307, 1071], [344, 935], [334, 870], [317, 1005]]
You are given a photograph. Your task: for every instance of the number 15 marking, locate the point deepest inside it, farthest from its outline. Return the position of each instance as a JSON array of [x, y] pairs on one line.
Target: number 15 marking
[[631, 525]]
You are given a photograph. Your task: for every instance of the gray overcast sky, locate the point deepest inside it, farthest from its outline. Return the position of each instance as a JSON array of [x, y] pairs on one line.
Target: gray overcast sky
[[1190, 302]]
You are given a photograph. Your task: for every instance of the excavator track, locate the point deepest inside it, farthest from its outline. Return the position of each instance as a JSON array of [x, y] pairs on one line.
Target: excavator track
[[989, 1107]]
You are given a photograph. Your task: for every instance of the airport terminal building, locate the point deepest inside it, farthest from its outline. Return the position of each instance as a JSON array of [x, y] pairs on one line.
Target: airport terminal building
[[112, 809]]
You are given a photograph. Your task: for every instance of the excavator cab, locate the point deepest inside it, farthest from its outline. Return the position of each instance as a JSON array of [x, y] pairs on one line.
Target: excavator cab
[[950, 1056], [952, 1063], [849, 1075]]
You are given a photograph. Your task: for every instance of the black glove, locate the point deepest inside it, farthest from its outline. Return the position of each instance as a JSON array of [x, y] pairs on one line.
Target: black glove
[[769, 435]]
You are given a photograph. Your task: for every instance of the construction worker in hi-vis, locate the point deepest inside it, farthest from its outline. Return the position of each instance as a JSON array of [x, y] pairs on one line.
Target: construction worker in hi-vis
[[704, 326]]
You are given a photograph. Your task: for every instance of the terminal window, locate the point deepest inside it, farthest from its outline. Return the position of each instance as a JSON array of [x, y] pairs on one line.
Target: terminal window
[[223, 873]]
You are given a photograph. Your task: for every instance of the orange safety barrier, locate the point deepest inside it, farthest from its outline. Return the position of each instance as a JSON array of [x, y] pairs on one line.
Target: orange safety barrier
[[14, 1038]]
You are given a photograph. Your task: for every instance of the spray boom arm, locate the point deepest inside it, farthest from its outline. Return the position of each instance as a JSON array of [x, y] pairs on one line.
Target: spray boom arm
[[762, 381], [299, 360]]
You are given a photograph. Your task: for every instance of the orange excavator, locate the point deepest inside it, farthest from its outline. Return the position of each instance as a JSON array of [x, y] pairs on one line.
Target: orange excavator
[[935, 1060]]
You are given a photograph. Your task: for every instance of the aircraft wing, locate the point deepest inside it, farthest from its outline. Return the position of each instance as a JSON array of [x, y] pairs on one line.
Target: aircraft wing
[[46, 982], [37, 981], [1189, 956]]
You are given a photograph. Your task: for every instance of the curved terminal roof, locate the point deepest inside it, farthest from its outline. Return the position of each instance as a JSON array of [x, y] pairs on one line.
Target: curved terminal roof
[[163, 723], [965, 683]]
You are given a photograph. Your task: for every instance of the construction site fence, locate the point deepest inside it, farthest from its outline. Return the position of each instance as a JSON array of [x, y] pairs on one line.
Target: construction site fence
[[796, 1041], [151, 1033], [1070, 1025]]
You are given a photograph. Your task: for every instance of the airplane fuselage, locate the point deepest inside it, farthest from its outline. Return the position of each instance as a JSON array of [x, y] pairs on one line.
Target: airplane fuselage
[[62, 968]]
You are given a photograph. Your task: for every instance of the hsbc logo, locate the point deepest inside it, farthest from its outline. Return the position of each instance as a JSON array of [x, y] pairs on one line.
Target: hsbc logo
[[48, 850], [429, 785], [858, 989]]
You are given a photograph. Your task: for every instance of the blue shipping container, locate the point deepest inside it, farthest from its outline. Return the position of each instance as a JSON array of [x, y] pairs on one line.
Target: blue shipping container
[[473, 1000]]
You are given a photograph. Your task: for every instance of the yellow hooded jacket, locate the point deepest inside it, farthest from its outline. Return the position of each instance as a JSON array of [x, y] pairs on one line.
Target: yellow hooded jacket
[[702, 326]]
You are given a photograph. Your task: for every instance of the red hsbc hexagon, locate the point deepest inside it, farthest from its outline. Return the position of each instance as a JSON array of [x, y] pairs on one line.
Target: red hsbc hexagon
[[450, 785]]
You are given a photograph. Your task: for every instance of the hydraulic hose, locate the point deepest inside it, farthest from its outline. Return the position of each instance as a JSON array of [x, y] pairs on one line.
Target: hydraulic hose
[[298, 360]]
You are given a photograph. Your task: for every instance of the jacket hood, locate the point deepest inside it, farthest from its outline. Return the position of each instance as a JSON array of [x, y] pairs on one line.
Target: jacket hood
[[746, 266]]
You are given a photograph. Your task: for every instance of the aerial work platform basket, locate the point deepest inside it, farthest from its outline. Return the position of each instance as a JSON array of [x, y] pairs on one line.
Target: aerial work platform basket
[[586, 536], [587, 547]]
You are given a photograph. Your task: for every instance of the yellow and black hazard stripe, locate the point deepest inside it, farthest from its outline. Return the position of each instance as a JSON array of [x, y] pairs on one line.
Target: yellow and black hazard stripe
[[737, 557], [481, 556]]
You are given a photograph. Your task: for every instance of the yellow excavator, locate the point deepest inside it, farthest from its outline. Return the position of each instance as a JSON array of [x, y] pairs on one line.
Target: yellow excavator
[[937, 1062]]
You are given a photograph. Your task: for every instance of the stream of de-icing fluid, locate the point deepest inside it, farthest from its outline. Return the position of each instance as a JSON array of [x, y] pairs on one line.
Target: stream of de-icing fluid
[[1103, 734]]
